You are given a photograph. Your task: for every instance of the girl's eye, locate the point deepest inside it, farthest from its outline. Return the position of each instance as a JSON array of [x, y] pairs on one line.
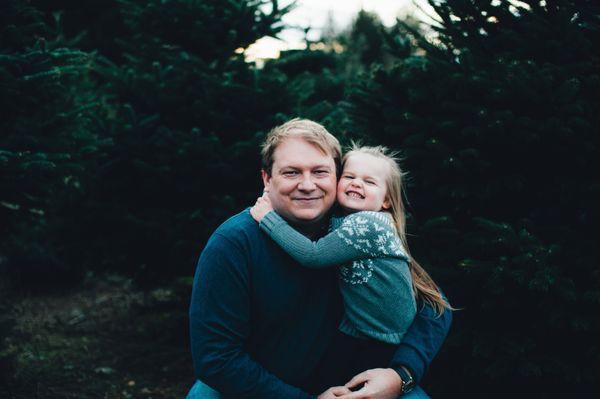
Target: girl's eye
[[347, 177], [370, 182]]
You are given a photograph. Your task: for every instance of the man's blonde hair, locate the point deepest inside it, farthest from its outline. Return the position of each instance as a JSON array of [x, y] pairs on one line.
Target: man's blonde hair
[[313, 132]]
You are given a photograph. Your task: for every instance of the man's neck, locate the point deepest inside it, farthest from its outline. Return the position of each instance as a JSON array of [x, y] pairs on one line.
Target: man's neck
[[313, 230]]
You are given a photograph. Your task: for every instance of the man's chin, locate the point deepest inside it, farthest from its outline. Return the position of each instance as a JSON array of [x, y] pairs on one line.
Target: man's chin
[[307, 216]]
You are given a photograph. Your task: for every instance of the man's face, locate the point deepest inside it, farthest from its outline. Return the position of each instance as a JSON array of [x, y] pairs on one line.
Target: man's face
[[302, 184]]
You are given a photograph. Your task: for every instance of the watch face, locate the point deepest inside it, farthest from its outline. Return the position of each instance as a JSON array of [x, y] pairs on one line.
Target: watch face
[[408, 386], [408, 383]]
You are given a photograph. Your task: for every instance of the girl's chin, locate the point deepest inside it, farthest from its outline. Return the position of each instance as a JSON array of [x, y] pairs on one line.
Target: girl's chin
[[348, 209]]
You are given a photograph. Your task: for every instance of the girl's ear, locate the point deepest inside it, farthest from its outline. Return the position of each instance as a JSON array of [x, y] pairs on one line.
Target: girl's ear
[[386, 204]]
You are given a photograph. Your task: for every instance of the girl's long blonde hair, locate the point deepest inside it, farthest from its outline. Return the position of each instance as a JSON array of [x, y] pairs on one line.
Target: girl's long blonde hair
[[425, 289]]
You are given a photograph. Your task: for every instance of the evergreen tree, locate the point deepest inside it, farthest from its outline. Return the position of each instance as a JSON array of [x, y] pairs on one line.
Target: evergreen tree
[[188, 117], [129, 156], [316, 79], [48, 139], [368, 42], [498, 123]]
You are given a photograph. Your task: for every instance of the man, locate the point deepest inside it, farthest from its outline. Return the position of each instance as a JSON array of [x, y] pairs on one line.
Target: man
[[261, 324]]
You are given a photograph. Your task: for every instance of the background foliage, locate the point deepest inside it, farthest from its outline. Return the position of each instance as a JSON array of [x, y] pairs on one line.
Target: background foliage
[[130, 130]]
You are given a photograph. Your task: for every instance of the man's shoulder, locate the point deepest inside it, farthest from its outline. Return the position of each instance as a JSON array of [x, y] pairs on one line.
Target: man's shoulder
[[239, 227], [234, 237]]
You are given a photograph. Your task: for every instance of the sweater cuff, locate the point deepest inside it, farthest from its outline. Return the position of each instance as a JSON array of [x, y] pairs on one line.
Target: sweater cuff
[[408, 357], [304, 395], [271, 221]]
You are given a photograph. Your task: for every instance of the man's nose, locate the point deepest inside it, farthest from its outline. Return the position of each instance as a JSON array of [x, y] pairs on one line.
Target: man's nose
[[306, 184]]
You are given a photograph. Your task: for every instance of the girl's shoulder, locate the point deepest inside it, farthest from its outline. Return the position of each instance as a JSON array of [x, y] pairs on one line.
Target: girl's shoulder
[[365, 223], [369, 217], [374, 232]]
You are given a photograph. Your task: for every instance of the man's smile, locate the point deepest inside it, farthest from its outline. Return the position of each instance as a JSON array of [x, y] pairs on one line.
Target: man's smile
[[306, 199]]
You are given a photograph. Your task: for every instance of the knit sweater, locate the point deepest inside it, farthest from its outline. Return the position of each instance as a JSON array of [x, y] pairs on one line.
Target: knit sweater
[[259, 322], [374, 277]]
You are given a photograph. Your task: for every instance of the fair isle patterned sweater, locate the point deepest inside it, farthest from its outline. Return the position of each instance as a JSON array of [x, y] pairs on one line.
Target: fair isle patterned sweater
[[374, 277]]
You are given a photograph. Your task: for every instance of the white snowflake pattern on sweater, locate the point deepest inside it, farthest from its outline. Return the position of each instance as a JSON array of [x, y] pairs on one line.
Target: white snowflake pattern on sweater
[[372, 235]]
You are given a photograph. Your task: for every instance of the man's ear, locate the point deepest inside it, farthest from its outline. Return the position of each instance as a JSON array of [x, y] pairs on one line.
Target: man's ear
[[266, 178]]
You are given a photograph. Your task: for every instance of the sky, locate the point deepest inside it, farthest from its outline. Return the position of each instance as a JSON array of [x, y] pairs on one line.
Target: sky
[[314, 13]]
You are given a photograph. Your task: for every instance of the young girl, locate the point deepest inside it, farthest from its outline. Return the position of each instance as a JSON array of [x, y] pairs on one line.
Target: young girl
[[378, 278]]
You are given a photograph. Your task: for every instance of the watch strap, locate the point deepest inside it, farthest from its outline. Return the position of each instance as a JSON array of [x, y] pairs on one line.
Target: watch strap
[[408, 382]]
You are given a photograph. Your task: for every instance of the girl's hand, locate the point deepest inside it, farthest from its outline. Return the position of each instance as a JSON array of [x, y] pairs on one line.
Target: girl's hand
[[261, 208]]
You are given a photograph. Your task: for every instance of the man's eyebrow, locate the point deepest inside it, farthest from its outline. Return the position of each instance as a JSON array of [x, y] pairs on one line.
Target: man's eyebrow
[[324, 166]]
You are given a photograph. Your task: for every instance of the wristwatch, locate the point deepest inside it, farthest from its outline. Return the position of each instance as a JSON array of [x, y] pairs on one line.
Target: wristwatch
[[408, 382]]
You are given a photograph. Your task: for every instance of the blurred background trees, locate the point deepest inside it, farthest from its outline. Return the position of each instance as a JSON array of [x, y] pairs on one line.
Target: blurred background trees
[[130, 130], [498, 123]]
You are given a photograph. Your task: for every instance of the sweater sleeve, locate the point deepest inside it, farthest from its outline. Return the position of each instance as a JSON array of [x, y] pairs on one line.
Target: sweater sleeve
[[361, 235], [220, 323], [422, 341]]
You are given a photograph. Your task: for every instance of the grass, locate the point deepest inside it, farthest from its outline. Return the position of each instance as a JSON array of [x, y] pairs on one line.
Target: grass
[[106, 339]]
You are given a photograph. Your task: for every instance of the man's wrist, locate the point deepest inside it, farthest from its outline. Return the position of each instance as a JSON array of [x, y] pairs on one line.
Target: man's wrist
[[408, 381]]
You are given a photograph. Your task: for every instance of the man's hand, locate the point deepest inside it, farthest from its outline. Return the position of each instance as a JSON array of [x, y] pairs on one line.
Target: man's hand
[[334, 393], [261, 208], [378, 384]]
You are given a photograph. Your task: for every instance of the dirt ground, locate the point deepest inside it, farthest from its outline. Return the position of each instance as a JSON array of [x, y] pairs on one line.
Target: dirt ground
[[105, 339]]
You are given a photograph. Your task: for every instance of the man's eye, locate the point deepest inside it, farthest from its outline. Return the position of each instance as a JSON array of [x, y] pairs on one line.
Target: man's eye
[[321, 172], [290, 173]]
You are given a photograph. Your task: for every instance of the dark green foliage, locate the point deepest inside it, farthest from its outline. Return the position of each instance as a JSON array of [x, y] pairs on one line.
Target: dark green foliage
[[314, 84], [498, 124], [159, 143], [130, 129], [7, 355], [316, 80], [366, 38], [368, 42], [187, 111], [48, 141]]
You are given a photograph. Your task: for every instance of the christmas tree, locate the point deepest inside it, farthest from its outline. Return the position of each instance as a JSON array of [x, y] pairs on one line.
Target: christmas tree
[[497, 120], [48, 141]]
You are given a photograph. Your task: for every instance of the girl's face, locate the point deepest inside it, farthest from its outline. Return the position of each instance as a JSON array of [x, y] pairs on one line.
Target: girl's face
[[362, 186]]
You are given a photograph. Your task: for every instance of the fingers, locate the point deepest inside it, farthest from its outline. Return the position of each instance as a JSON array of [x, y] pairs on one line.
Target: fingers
[[360, 394], [334, 392], [264, 200], [339, 391], [358, 379]]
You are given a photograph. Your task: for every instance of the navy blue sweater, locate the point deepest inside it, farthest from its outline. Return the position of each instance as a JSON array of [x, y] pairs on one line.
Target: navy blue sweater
[[260, 323]]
